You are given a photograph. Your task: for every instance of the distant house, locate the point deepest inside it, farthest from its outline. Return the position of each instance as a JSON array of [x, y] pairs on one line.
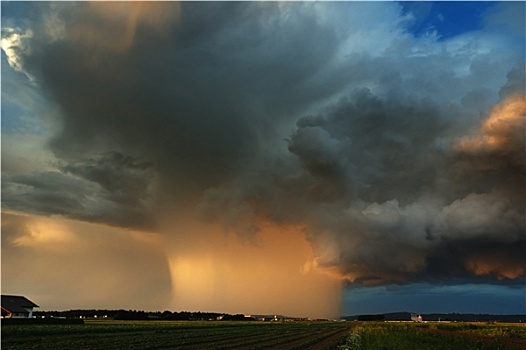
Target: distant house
[[16, 306], [416, 318]]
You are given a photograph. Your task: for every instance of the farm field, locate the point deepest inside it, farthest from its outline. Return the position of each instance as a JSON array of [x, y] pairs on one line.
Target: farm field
[[436, 335], [259, 335]]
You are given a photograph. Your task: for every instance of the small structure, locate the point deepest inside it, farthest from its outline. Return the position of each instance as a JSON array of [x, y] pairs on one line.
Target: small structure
[[416, 317], [17, 306]]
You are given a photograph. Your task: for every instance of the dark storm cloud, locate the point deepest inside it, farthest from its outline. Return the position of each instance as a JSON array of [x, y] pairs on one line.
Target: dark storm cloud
[[197, 95], [422, 211], [111, 189], [387, 141], [123, 178], [387, 193], [198, 100], [377, 148]]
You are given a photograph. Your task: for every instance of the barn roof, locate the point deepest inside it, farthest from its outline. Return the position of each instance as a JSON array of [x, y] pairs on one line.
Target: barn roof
[[16, 303]]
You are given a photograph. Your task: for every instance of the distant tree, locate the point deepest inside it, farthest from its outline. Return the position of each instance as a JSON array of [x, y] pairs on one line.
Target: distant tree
[[238, 317], [371, 318], [167, 315]]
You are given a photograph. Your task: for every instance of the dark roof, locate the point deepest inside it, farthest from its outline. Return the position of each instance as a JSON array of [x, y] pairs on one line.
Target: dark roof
[[16, 303]]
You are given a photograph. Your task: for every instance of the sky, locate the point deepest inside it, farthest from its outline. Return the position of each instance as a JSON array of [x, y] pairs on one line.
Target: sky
[[311, 159]]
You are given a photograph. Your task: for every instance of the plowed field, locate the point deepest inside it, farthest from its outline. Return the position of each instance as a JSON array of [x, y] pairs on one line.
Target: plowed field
[[176, 335]]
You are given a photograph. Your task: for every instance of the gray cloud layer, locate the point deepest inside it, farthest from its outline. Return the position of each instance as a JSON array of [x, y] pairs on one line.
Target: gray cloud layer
[[327, 116], [110, 188]]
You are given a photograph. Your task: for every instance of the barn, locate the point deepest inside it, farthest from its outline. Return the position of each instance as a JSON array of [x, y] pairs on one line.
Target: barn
[[17, 306]]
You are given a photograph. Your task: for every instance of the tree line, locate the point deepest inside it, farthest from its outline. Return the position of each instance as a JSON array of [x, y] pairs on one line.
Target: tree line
[[142, 315]]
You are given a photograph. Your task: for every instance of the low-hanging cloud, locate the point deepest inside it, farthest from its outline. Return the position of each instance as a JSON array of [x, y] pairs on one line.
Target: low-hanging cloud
[[110, 188], [401, 158]]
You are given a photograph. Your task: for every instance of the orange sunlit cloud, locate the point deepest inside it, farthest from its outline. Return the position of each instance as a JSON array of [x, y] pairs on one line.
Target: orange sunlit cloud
[[44, 233], [501, 130], [495, 267]]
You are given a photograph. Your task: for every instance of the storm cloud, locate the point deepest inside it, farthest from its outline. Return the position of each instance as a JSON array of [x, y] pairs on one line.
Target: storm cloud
[[401, 158]]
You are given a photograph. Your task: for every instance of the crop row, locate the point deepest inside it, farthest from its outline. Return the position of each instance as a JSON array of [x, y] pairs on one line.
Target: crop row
[[164, 335], [444, 336]]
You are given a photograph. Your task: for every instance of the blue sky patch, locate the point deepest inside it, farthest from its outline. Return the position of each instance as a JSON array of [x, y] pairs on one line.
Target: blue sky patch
[[447, 18]]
